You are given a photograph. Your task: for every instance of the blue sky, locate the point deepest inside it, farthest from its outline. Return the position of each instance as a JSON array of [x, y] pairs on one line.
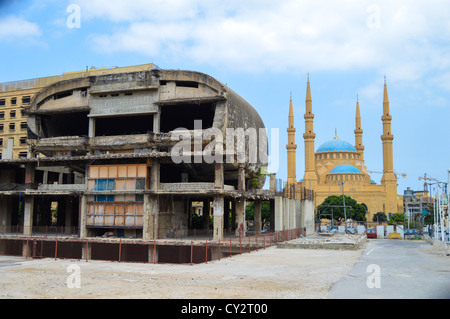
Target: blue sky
[[264, 50]]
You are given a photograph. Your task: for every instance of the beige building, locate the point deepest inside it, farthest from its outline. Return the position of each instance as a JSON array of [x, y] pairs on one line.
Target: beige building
[[337, 166]]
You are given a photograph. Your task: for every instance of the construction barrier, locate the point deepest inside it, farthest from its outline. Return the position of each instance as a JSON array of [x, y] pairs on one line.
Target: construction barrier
[[129, 250]]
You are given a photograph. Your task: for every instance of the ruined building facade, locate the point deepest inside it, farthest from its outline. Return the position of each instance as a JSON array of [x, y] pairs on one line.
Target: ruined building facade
[[100, 151]]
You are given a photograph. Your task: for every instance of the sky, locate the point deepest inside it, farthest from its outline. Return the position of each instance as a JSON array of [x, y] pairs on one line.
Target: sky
[[264, 51]]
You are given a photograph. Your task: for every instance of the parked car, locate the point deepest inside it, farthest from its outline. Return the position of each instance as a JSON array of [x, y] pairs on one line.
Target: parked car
[[411, 232], [351, 230], [371, 233]]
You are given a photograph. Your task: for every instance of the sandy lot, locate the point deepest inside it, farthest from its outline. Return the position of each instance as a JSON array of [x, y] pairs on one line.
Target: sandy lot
[[273, 273]]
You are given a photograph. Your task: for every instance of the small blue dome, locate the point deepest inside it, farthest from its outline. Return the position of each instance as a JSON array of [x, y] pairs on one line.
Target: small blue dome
[[345, 169], [336, 145]]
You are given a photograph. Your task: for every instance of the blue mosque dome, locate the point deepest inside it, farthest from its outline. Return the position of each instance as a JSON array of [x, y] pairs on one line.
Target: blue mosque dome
[[336, 145], [345, 169]]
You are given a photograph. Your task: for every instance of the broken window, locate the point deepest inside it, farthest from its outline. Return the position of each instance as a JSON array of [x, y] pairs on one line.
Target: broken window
[[184, 115], [2, 115], [187, 84], [61, 95], [71, 124], [12, 126], [2, 102], [123, 125], [12, 114], [13, 101]]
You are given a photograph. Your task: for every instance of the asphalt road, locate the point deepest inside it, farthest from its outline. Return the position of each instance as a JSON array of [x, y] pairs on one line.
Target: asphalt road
[[396, 269]]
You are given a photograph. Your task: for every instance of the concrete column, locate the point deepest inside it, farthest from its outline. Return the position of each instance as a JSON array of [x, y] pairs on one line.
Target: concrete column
[[206, 209], [45, 177], [291, 218], [28, 215], [83, 217], [218, 217], [218, 180], [297, 213], [278, 208], [241, 179], [146, 223], [285, 213], [258, 222], [155, 174], [91, 132], [156, 122], [240, 217], [151, 217]]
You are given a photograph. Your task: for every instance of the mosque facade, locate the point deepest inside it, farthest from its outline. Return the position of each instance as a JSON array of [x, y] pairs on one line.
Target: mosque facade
[[338, 167]]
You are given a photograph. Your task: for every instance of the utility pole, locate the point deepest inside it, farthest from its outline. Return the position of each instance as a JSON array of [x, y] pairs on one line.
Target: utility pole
[[343, 198]]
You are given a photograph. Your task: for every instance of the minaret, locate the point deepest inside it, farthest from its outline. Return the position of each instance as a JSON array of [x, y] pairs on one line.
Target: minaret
[[291, 147], [388, 180], [358, 132], [310, 177]]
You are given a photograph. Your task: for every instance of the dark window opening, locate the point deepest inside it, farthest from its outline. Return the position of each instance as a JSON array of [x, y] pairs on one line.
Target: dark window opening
[[123, 125], [184, 115], [187, 84], [71, 124], [13, 101], [63, 94], [192, 173], [163, 82], [26, 99], [2, 102]]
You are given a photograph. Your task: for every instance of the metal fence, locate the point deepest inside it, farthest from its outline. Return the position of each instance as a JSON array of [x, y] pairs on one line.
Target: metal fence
[[128, 250]]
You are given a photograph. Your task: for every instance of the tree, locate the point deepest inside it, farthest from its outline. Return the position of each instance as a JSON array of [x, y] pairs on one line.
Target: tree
[[396, 219], [265, 211], [334, 205], [379, 217]]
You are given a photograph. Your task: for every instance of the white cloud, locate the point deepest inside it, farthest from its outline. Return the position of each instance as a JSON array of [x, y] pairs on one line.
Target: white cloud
[[406, 39], [12, 27]]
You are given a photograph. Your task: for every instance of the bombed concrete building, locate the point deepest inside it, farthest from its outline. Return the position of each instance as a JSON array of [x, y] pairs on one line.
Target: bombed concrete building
[[129, 150]]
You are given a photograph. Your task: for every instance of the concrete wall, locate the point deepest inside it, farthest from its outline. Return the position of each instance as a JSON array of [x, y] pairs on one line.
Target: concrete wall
[[292, 213]]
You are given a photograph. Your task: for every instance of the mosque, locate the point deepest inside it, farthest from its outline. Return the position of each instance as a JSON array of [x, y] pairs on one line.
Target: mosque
[[337, 166]]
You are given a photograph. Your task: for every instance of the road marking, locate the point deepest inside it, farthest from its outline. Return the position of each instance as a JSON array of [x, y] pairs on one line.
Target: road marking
[[369, 251]]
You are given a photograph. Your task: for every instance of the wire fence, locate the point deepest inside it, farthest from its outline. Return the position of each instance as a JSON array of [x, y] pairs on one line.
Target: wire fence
[[140, 251]]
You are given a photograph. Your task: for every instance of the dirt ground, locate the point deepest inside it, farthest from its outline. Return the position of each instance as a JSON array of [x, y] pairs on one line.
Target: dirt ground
[[273, 273]]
